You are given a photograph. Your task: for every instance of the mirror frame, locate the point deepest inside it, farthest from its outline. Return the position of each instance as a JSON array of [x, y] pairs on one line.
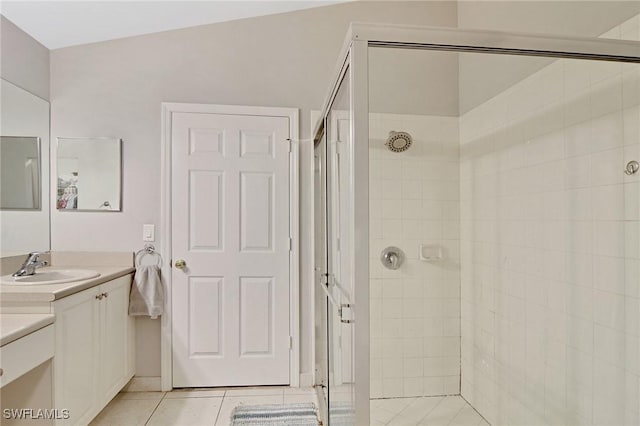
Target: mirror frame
[[120, 171]]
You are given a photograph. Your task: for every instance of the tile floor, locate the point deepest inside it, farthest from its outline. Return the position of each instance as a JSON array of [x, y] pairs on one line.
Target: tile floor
[[192, 407], [431, 410]]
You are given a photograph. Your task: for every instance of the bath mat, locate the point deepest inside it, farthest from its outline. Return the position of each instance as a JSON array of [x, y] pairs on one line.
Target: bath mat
[[275, 415], [342, 414]]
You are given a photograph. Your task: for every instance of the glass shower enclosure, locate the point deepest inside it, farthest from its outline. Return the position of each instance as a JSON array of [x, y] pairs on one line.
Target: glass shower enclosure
[[477, 228]]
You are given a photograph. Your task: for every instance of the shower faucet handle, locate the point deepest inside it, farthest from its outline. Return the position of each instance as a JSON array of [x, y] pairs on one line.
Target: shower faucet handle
[[392, 258]]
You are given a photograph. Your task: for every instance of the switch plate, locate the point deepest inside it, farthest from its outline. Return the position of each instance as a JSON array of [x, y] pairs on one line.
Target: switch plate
[[148, 232]]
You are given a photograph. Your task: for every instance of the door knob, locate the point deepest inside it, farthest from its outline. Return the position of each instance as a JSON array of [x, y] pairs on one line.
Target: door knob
[[181, 264]]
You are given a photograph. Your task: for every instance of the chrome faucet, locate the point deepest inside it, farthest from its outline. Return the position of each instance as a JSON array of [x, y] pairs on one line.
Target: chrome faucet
[[30, 264]]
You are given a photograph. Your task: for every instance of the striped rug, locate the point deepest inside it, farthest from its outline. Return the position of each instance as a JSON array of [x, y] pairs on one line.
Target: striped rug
[[275, 415]]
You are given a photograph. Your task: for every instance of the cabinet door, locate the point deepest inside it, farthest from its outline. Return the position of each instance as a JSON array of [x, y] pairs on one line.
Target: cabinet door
[[114, 342], [76, 356]]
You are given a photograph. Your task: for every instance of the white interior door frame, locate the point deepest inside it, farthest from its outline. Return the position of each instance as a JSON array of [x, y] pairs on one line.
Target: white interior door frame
[[168, 109]]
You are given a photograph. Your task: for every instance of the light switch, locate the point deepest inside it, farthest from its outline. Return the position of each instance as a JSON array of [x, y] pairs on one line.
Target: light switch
[[148, 232]]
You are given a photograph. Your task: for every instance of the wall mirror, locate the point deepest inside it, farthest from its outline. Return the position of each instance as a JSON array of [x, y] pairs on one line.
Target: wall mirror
[[89, 174], [24, 171], [20, 173]]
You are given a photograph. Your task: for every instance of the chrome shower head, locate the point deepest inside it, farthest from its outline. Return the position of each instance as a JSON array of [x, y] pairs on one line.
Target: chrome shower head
[[399, 141]]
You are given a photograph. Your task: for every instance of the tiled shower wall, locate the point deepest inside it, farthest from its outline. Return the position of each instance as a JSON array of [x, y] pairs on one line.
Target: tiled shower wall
[[415, 310], [550, 248]]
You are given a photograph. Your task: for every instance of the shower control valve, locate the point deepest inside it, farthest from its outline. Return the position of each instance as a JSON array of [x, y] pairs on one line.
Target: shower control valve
[[392, 258]]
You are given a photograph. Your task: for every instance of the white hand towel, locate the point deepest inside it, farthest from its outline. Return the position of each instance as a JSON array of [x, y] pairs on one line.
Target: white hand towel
[[147, 294]]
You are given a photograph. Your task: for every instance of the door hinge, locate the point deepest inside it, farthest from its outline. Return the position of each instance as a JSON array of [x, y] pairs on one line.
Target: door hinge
[[290, 244], [289, 144], [324, 280], [290, 342]]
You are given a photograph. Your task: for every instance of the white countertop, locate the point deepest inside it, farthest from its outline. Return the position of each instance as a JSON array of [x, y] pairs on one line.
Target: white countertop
[[51, 292], [15, 326]]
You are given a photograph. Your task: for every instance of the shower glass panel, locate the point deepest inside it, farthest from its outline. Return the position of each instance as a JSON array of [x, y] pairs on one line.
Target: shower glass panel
[[334, 326], [339, 257], [414, 207], [482, 222], [515, 210]]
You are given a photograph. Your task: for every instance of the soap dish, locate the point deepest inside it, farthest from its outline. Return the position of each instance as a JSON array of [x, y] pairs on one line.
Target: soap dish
[[430, 253]]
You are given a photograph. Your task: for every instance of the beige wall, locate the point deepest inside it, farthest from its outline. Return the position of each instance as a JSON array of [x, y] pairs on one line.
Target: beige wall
[[569, 18], [23, 61], [115, 89]]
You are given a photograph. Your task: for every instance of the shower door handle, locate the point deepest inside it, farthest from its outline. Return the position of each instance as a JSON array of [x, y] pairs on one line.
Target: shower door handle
[[341, 306], [325, 288], [341, 311]]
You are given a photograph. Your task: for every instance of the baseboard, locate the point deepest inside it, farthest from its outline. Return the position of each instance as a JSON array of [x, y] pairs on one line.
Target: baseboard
[[152, 384], [143, 384], [306, 380]]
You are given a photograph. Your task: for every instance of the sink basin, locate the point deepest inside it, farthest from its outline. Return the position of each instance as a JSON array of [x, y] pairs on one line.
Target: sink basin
[[50, 276]]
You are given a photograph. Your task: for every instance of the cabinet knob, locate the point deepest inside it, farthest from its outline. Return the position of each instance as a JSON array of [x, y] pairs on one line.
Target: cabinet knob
[[105, 294], [181, 264], [99, 296], [1, 371]]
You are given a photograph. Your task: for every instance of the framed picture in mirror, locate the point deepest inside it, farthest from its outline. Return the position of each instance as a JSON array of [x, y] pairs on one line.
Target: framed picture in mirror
[[89, 174]]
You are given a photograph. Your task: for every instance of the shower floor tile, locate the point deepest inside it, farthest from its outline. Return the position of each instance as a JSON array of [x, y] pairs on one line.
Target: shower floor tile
[[431, 410]]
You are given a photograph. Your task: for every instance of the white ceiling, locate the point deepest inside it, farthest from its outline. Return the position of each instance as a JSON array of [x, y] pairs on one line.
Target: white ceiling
[[58, 24]]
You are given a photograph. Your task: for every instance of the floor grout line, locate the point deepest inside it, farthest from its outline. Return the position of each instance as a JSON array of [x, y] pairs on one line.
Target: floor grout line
[[474, 409], [433, 409], [215, 422], [400, 412], [154, 409], [397, 414], [430, 411], [456, 415], [451, 418]]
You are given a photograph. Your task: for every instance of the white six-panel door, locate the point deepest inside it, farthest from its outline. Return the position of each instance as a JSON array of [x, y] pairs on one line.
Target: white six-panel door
[[230, 224]]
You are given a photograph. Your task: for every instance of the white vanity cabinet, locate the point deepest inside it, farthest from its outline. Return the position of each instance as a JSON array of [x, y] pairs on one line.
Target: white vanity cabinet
[[93, 349]]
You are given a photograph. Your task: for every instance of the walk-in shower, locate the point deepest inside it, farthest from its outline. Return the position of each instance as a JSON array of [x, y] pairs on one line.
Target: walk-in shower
[[516, 208]]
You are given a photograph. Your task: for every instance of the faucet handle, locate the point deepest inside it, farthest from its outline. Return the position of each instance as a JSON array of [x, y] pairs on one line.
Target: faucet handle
[[34, 257], [30, 264]]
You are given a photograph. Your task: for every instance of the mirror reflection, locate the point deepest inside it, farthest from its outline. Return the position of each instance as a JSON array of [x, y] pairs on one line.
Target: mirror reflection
[[20, 173], [89, 174], [24, 171]]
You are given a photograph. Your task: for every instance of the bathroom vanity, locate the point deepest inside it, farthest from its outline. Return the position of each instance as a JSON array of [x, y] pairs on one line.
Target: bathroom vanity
[[92, 338]]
